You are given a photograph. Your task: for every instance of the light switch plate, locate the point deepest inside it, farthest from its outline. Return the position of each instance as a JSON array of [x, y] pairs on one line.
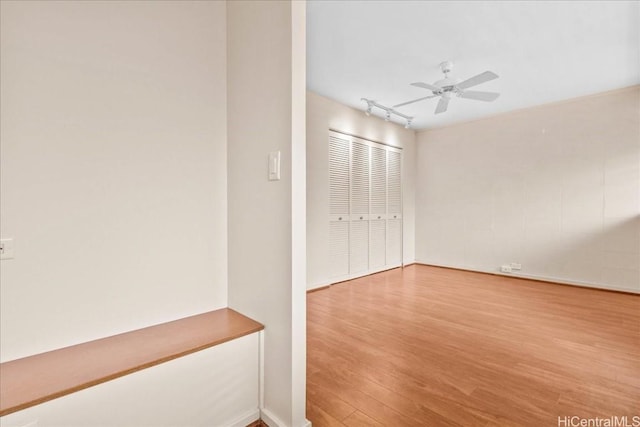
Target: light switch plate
[[274, 166], [6, 248]]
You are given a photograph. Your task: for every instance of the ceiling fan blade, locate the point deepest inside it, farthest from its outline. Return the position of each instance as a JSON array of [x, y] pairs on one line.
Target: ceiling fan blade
[[479, 96], [442, 105], [415, 100], [476, 80], [432, 88]]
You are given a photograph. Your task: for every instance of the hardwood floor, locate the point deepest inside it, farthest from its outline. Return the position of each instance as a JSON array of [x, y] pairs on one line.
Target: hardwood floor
[[428, 346]]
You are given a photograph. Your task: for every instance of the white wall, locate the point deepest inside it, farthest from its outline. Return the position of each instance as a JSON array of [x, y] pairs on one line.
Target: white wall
[[266, 218], [213, 387], [324, 114], [115, 171], [113, 168], [113, 185], [555, 187]]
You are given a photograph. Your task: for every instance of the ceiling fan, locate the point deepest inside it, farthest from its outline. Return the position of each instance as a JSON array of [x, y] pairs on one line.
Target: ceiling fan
[[449, 87]]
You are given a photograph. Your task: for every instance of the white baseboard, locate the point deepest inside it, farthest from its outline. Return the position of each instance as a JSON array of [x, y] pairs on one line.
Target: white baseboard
[[318, 286], [347, 277], [272, 421], [246, 419], [536, 277], [269, 419]]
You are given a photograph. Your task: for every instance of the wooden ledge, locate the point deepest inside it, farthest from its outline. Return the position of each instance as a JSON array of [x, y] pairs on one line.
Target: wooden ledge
[[36, 379]]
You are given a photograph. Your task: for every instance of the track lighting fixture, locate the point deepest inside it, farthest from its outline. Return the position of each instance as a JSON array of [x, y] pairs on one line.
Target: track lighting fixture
[[388, 111]]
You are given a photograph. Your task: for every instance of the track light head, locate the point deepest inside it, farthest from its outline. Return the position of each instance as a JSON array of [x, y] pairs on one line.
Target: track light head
[[370, 105], [388, 111]]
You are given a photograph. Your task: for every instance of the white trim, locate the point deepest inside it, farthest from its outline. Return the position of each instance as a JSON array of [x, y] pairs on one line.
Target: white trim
[[535, 277], [246, 419], [352, 276], [339, 279], [319, 285], [270, 419], [261, 369], [364, 139]]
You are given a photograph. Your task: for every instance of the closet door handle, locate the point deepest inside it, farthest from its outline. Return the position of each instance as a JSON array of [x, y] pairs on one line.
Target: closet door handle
[[379, 217], [339, 218], [361, 217]]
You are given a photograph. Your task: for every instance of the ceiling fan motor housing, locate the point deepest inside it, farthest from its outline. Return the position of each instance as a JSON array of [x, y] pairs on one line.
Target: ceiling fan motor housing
[[447, 84]]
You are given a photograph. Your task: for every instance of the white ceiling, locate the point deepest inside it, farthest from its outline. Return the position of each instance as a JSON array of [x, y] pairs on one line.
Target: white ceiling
[[542, 51]]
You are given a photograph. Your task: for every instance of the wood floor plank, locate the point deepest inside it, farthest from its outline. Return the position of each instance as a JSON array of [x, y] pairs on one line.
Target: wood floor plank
[[329, 402], [358, 419], [320, 417], [434, 346], [360, 400]]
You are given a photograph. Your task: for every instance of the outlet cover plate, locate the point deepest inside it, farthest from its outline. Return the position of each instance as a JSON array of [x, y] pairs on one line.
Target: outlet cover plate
[[506, 269]]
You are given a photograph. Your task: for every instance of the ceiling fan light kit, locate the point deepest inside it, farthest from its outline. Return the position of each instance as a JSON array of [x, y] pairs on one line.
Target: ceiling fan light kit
[[445, 89]]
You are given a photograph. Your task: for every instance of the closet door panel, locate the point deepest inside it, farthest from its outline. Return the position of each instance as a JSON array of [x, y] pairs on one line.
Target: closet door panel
[[339, 159], [359, 237], [339, 178], [394, 208], [359, 246], [378, 208], [339, 248], [378, 181], [394, 243], [359, 179], [394, 183], [377, 245]]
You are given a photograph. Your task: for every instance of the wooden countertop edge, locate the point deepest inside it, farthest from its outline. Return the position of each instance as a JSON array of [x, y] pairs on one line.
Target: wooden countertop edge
[[63, 391]]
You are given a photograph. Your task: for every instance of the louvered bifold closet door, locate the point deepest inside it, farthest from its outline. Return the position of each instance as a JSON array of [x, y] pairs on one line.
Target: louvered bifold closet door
[[394, 208], [378, 207], [339, 177], [359, 230]]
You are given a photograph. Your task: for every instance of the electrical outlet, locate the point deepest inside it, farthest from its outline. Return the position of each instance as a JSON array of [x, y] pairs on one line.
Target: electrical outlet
[[506, 269], [516, 266], [6, 248]]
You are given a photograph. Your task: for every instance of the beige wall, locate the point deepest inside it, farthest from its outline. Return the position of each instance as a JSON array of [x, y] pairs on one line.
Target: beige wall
[[555, 188], [113, 168], [265, 95], [324, 114]]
